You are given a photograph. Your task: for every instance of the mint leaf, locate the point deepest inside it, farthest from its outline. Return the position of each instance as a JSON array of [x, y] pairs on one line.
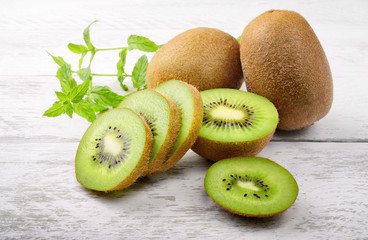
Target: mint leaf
[[56, 110], [78, 92], [85, 73], [67, 82], [122, 85], [239, 38], [84, 110], [77, 48], [122, 59], [141, 43], [139, 72], [86, 36], [95, 106], [61, 96], [81, 60], [68, 109], [59, 60], [103, 95]]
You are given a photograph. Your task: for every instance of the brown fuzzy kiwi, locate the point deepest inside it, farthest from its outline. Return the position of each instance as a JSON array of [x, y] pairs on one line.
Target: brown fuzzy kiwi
[[195, 124], [148, 102], [216, 150], [204, 57], [283, 60]]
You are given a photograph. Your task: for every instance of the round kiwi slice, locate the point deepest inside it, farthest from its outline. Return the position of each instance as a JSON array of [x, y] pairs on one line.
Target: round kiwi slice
[[190, 105], [162, 116], [251, 186], [235, 123], [114, 151]]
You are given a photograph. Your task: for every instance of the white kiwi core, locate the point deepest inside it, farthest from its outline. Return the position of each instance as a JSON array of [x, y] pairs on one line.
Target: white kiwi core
[[111, 145], [226, 113]]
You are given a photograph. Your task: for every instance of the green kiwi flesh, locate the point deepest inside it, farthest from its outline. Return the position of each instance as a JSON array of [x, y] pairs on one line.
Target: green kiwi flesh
[[189, 101], [114, 151], [233, 115], [251, 186], [162, 116], [235, 123]]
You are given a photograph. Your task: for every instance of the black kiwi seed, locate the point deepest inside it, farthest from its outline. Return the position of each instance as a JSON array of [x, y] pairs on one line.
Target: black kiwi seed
[[245, 195], [254, 194], [224, 180]]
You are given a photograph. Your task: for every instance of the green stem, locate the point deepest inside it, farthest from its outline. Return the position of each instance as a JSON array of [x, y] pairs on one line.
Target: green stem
[[108, 49]]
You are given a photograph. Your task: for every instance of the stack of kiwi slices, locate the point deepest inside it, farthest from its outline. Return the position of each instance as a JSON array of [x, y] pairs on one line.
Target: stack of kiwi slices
[[148, 133]]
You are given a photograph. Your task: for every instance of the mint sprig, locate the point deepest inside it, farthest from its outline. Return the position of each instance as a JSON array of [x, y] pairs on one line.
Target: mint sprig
[[88, 100]]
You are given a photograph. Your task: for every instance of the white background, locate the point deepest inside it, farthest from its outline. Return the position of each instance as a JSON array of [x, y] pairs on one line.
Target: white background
[[40, 197]]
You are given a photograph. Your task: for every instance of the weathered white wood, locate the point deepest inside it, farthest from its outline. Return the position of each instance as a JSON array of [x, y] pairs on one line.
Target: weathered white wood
[[41, 198]]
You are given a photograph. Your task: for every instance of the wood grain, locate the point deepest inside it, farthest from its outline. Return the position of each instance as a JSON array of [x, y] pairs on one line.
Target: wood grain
[[40, 197]]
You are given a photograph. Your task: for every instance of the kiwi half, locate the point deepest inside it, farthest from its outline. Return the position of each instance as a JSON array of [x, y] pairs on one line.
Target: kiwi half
[[251, 186], [190, 104], [114, 151], [163, 118], [235, 123]]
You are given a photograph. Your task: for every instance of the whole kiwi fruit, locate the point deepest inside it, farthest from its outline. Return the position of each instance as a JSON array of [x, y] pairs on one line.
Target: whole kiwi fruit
[[203, 57], [283, 60]]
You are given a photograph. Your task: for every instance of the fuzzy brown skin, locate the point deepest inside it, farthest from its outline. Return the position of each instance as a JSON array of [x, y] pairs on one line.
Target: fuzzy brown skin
[[142, 166], [204, 57], [193, 134], [283, 60], [216, 151], [170, 140]]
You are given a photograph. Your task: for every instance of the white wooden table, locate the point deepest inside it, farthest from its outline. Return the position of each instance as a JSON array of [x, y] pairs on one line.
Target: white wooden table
[[40, 197]]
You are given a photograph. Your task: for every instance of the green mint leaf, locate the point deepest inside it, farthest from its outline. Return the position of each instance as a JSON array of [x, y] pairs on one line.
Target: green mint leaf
[[86, 36], [68, 109], [78, 92], [122, 59], [103, 95], [139, 72], [84, 110], [95, 106], [81, 60], [239, 38], [85, 73], [77, 48], [67, 82], [56, 110], [141, 43], [59, 60], [122, 85], [61, 96]]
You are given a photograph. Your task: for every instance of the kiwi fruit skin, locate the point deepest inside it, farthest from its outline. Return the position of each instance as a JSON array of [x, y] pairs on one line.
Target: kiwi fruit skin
[[216, 150], [203, 57], [193, 133], [283, 60], [247, 214], [171, 136], [142, 165]]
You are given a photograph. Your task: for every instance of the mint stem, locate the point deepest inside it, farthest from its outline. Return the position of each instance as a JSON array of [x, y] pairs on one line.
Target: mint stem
[[108, 49]]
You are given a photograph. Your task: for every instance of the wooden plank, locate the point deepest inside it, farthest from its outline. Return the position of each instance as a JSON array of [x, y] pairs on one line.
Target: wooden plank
[[40, 197]]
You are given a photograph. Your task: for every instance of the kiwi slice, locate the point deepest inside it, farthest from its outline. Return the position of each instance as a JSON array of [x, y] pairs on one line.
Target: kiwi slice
[[162, 116], [235, 123], [251, 186], [190, 105], [114, 151]]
